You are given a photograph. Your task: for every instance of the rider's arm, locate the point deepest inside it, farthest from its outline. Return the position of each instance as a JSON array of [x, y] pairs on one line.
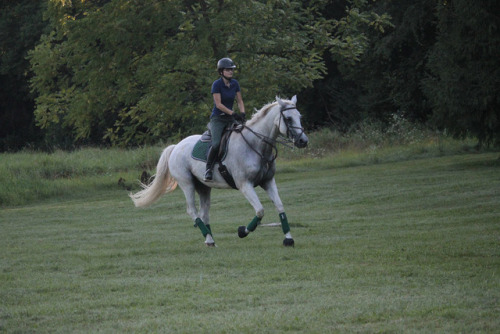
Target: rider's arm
[[239, 100], [220, 106]]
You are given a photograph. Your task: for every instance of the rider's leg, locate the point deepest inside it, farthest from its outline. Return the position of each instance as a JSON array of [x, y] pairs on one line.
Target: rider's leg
[[212, 154], [217, 125]]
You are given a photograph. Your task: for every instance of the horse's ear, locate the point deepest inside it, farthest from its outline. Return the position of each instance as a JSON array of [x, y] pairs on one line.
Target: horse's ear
[[281, 103], [294, 99]]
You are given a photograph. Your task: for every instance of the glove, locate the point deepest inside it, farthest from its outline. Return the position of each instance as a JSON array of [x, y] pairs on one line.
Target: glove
[[244, 118], [238, 118]]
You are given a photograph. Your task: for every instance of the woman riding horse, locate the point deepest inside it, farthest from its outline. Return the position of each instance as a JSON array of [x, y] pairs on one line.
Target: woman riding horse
[[250, 159], [224, 90]]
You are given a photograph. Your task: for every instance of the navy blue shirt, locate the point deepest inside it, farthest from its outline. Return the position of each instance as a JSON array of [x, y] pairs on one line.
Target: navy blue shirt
[[227, 94]]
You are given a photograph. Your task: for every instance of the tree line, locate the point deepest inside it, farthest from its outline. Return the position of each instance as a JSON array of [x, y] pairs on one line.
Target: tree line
[[108, 72]]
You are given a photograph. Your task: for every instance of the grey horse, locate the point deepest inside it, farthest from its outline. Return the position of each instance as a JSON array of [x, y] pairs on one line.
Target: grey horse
[[250, 159]]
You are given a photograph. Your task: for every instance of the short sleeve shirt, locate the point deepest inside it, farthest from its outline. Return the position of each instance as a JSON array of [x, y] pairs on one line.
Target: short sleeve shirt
[[227, 94]]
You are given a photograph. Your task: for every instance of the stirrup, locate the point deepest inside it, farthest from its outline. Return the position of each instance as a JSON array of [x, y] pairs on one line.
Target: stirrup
[[208, 175]]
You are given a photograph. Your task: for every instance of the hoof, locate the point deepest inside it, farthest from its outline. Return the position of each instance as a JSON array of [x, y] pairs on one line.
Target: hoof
[[288, 242], [209, 241], [241, 232]]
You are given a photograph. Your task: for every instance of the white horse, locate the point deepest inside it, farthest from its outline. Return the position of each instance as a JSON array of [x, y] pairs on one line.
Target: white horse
[[250, 159]]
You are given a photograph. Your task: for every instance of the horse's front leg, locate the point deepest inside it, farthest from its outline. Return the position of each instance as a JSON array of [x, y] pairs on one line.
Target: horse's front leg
[[272, 191], [248, 191]]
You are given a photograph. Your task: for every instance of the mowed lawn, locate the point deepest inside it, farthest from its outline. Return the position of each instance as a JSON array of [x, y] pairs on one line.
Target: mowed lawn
[[410, 246]]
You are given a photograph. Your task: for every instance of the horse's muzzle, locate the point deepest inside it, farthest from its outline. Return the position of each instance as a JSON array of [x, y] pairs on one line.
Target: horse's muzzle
[[302, 141]]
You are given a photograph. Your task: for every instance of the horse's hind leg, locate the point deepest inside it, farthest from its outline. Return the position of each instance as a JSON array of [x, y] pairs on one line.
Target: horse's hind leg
[[204, 193], [189, 193]]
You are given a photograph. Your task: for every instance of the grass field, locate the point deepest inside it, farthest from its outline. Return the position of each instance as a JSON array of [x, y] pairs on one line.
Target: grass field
[[409, 246]]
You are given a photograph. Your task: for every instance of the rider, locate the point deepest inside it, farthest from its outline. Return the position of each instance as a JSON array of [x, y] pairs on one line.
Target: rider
[[224, 91]]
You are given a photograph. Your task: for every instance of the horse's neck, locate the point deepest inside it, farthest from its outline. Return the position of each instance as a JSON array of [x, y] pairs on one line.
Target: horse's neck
[[267, 125], [267, 128]]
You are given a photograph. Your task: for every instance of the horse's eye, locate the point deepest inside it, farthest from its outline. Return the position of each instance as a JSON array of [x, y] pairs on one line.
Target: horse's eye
[[289, 120]]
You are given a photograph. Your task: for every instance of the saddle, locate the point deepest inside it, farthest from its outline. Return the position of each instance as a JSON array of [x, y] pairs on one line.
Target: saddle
[[201, 148]]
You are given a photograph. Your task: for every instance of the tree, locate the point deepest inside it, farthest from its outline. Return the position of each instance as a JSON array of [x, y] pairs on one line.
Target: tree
[[386, 79], [464, 81], [136, 71], [21, 25]]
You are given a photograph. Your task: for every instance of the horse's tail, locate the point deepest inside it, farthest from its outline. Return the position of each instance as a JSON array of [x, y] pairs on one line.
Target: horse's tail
[[163, 182]]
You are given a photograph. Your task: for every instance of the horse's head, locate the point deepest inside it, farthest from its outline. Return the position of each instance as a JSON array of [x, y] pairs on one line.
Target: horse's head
[[289, 122]]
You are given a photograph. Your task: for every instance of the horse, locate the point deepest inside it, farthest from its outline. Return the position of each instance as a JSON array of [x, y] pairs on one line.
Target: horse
[[250, 159]]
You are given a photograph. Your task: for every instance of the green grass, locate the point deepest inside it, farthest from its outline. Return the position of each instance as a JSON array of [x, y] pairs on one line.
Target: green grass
[[381, 246], [30, 177]]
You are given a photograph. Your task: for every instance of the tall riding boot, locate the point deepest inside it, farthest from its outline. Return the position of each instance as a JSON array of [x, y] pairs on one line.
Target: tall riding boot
[[209, 174]]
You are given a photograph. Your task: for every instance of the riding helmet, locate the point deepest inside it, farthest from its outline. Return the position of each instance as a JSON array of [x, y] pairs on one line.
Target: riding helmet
[[225, 63]]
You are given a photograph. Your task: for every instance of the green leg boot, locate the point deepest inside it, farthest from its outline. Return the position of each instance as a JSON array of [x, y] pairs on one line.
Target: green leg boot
[[288, 242], [244, 231]]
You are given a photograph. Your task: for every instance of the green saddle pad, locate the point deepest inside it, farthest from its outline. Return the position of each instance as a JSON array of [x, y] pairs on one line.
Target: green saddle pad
[[200, 150]]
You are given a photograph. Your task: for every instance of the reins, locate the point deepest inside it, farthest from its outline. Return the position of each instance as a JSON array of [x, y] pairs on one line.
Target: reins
[[268, 140], [264, 138]]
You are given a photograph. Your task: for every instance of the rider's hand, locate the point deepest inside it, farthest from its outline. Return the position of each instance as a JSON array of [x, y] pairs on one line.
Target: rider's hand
[[238, 117]]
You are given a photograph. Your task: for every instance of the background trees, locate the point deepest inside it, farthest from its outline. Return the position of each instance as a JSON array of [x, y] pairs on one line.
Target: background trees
[[463, 85], [21, 25], [135, 72]]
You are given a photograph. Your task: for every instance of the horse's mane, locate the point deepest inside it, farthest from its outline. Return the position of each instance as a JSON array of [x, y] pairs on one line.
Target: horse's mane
[[263, 112]]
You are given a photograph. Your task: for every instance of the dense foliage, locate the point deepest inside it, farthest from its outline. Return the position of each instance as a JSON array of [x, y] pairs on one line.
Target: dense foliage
[[464, 82], [21, 25], [132, 72], [135, 72]]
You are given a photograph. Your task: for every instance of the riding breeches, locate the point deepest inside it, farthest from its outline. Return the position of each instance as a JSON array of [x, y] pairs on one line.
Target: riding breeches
[[217, 126]]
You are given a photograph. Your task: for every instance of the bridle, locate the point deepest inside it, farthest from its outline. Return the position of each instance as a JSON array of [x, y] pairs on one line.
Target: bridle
[[290, 137], [289, 134]]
